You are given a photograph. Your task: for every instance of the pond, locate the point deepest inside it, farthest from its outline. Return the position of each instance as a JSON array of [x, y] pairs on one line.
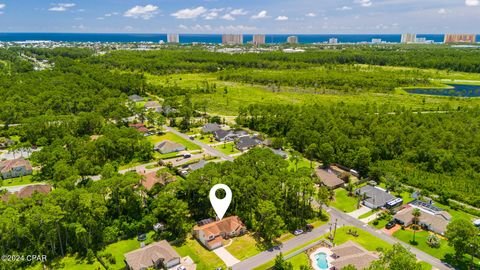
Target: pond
[[455, 90]]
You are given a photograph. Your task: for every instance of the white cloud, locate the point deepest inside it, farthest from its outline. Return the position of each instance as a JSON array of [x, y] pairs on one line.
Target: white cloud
[[281, 18], [364, 3], [145, 12], [261, 15], [344, 8], [442, 11], [228, 17], [2, 6], [238, 11], [128, 28], [62, 6], [184, 27], [311, 14], [472, 3], [211, 14], [100, 18], [79, 27], [189, 13]]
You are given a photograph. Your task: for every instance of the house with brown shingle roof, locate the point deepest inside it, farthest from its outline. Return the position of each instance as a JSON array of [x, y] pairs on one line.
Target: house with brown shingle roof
[[351, 253], [212, 234], [166, 146], [159, 255], [139, 127], [15, 168], [28, 191], [150, 179], [328, 178]]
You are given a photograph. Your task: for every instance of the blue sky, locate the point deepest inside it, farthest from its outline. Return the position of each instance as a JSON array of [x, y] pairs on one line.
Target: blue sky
[[247, 16]]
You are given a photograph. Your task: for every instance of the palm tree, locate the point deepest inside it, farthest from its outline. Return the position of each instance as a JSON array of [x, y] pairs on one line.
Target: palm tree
[[415, 219]]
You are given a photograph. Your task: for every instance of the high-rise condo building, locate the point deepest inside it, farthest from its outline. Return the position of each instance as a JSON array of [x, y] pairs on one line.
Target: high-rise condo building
[[173, 38], [292, 40], [460, 38], [333, 41], [258, 39], [409, 38], [232, 39]]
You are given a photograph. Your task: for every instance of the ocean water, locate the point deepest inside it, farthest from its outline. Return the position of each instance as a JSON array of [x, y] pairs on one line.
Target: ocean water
[[202, 38]]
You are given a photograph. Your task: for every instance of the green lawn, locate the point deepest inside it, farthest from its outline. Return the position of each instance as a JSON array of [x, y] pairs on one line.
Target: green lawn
[[174, 138], [206, 139], [244, 247], [380, 225], [343, 202], [17, 181], [299, 260], [121, 247], [205, 260], [421, 238], [228, 148], [70, 262], [303, 163], [369, 213]]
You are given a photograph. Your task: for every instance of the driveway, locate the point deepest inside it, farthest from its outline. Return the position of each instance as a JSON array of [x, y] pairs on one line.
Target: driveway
[[362, 210], [226, 257]]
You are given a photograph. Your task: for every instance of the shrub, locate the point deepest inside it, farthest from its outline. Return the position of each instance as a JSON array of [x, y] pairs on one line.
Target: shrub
[[433, 241]]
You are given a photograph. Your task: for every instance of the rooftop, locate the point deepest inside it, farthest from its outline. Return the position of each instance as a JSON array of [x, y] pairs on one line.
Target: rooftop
[[8, 165], [375, 195], [351, 253], [145, 257], [328, 178]]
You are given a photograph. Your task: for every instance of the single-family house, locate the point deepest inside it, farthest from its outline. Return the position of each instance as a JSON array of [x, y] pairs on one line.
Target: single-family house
[[159, 255], [328, 178], [436, 222], [5, 142], [135, 98], [222, 135], [375, 197], [280, 152], [151, 179], [152, 105], [15, 168], [351, 253], [210, 128], [28, 191], [247, 142], [167, 146], [139, 127], [212, 234]]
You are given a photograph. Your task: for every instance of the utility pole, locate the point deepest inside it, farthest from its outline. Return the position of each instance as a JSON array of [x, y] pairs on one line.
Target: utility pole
[[335, 229]]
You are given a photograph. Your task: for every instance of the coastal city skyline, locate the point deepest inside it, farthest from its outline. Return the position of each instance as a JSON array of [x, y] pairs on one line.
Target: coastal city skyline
[[248, 17]]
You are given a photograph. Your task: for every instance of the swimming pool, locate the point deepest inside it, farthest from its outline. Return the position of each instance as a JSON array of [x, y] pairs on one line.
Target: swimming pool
[[322, 262]]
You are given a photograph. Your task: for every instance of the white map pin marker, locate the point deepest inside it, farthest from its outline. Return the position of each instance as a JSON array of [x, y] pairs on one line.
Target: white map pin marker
[[220, 205]]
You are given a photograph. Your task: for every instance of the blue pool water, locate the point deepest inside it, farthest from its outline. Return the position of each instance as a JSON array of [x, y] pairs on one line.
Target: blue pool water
[[322, 262]]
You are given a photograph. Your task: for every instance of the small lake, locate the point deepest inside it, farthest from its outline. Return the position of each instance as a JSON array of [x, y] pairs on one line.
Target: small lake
[[457, 90]]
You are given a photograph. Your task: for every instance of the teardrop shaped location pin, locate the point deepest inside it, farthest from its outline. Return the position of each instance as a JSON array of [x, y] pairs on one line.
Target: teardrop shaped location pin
[[220, 205]]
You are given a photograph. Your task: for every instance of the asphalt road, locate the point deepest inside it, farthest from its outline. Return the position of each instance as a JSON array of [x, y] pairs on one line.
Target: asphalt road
[[342, 220], [207, 148]]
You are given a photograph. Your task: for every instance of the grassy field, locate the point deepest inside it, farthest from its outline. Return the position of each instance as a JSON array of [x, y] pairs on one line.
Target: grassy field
[[205, 260], [299, 260], [17, 181], [369, 213], [244, 247], [380, 225], [343, 202], [228, 148], [174, 138], [240, 94]]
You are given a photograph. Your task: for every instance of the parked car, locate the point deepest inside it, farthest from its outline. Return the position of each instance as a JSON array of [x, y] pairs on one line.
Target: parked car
[[297, 232], [187, 156], [142, 237], [390, 225], [309, 227], [181, 267], [192, 138]]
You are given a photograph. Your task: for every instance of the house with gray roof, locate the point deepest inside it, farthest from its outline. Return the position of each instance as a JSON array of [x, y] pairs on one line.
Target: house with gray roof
[[165, 147], [245, 143], [374, 197], [210, 128], [436, 222], [222, 135], [136, 98]]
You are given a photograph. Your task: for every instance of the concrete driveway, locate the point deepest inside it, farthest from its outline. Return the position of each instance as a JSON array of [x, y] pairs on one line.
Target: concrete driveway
[[226, 257], [362, 210]]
